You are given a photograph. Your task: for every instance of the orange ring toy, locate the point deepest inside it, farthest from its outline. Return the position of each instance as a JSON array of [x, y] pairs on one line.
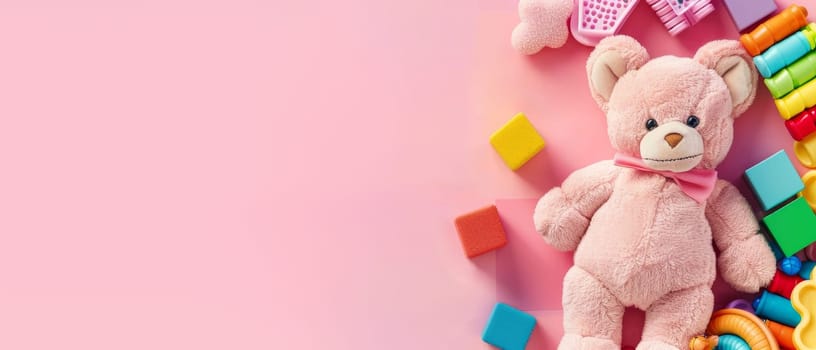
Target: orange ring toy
[[740, 323]]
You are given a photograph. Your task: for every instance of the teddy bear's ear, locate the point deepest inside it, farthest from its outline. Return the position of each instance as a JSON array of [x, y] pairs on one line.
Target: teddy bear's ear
[[734, 65], [613, 57]]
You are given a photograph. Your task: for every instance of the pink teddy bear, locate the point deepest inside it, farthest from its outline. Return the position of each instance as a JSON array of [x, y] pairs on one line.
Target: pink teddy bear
[[642, 225]]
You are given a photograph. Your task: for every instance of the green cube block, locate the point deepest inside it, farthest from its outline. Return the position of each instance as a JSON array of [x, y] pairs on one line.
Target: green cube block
[[793, 226]]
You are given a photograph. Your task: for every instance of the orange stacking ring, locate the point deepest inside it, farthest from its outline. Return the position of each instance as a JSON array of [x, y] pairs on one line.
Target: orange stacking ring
[[775, 29], [744, 325]]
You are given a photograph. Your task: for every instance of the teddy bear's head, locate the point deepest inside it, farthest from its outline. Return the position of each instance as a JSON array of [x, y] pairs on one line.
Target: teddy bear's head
[[675, 113]]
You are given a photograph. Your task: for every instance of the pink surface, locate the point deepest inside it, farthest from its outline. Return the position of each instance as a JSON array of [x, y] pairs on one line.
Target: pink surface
[[528, 272], [251, 175]]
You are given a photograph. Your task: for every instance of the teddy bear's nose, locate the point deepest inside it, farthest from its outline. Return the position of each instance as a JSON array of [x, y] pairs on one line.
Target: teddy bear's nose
[[673, 139]]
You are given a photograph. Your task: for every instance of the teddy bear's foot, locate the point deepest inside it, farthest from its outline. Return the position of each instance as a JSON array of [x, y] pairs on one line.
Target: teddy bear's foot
[[577, 342], [676, 317], [655, 345]]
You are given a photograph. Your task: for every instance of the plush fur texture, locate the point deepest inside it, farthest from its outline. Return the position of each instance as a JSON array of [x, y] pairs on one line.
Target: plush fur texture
[[543, 24], [638, 239]]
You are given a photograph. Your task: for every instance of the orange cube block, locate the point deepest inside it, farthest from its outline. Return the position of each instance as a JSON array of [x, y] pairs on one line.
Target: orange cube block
[[481, 231]]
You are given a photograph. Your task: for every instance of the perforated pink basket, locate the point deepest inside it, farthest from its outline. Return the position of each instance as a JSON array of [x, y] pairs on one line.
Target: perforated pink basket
[[593, 20], [677, 15]]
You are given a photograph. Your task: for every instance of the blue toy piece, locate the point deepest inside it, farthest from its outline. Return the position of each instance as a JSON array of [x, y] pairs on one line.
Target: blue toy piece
[[508, 328], [790, 265], [776, 308], [774, 180], [731, 342], [786, 51], [807, 268]]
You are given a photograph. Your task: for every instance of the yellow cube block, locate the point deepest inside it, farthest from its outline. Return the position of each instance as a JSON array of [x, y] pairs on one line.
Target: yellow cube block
[[517, 141]]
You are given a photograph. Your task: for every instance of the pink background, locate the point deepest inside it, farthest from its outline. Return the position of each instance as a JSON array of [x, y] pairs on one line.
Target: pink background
[[244, 174]]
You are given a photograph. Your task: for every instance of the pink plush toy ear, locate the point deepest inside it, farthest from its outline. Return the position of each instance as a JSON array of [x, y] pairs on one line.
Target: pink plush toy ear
[[734, 65], [543, 24], [613, 58]]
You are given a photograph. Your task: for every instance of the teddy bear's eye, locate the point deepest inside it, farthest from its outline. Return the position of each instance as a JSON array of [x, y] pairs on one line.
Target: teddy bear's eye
[[651, 124], [693, 121]]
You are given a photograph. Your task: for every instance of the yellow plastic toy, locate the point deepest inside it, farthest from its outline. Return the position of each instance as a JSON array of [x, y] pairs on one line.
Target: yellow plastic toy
[[797, 100], [517, 141], [737, 322], [803, 299], [810, 188], [806, 150]]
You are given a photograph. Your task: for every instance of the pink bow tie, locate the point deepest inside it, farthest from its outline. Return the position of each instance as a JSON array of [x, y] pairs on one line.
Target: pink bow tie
[[695, 183]]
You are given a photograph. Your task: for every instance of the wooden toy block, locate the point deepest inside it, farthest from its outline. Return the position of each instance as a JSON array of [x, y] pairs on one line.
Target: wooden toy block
[[774, 180], [746, 13], [517, 141], [802, 125], [508, 328], [792, 226], [481, 231]]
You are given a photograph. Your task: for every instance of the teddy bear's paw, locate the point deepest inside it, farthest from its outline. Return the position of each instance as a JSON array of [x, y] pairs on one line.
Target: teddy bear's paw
[[543, 24], [655, 345], [577, 342], [559, 223], [748, 265]]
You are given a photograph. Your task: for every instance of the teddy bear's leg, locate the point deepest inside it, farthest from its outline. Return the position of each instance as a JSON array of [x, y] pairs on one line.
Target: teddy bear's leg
[[675, 318], [592, 315]]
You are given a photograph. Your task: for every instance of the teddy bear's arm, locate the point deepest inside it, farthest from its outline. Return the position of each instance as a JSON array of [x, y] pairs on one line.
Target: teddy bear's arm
[[746, 261], [563, 214]]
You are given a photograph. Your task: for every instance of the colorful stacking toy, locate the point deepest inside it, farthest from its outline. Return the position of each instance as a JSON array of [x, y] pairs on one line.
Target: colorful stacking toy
[[783, 50], [775, 29], [786, 52], [803, 124], [792, 76]]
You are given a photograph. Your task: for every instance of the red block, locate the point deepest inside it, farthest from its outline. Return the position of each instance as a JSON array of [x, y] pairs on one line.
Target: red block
[[783, 284], [803, 124], [481, 231]]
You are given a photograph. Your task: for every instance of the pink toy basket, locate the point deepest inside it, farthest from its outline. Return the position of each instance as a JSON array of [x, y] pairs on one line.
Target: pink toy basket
[[593, 20]]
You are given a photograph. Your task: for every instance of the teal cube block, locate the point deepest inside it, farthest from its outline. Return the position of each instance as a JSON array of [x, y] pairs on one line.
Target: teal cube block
[[792, 226], [774, 180], [508, 328]]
